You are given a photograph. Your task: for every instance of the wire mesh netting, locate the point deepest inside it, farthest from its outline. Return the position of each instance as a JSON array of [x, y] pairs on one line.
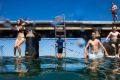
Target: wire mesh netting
[[46, 47], [7, 47], [74, 47]]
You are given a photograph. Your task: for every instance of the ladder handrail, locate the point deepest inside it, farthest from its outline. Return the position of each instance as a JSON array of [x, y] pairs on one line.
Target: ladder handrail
[[64, 33]]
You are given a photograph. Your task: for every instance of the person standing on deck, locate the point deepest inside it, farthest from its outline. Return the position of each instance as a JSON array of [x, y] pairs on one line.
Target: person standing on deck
[[20, 37], [59, 45], [114, 9], [94, 48], [113, 35]]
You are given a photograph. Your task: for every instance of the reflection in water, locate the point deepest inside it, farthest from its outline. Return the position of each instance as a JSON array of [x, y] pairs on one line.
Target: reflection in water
[[19, 67], [33, 66], [107, 69], [113, 69], [93, 66], [26, 67], [59, 64], [49, 68], [92, 69]]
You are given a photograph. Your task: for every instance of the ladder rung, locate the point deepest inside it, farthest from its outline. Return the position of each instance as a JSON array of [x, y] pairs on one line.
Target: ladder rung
[[60, 25], [60, 36], [59, 30], [60, 33]]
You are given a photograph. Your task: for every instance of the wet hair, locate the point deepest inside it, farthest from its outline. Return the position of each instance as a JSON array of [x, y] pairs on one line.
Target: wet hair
[[21, 21], [59, 37], [92, 34], [114, 27], [113, 3]]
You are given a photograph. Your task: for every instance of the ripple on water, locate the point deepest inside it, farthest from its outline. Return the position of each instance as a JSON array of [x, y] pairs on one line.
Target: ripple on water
[[50, 68]]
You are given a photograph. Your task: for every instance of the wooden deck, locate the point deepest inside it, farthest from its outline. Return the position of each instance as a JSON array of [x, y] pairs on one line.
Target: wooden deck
[[73, 27]]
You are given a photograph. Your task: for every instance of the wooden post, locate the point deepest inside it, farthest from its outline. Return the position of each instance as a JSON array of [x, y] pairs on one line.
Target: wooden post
[[32, 45]]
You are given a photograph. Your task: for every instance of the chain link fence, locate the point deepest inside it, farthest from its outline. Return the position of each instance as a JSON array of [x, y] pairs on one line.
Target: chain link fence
[[7, 47], [74, 47], [46, 47]]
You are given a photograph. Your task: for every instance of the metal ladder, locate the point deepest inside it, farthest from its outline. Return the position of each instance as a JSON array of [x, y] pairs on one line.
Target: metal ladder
[[60, 30]]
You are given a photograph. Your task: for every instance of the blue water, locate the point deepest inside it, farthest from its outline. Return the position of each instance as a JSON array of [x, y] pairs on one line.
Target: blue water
[[47, 67], [50, 68]]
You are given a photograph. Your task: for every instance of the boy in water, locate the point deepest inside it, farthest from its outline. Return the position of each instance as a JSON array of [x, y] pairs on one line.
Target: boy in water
[[94, 51], [59, 44], [113, 35], [114, 9]]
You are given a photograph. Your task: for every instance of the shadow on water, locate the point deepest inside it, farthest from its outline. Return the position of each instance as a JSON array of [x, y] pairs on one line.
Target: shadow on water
[[50, 68]]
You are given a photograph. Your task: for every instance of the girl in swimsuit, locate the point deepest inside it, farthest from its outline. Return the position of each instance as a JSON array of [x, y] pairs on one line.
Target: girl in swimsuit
[[20, 37]]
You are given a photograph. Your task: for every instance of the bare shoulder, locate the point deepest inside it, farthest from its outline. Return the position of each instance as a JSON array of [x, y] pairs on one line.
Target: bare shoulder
[[111, 32], [117, 32], [89, 41], [97, 40]]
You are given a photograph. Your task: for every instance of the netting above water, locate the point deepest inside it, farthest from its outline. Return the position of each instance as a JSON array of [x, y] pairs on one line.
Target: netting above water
[[46, 47], [74, 47]]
